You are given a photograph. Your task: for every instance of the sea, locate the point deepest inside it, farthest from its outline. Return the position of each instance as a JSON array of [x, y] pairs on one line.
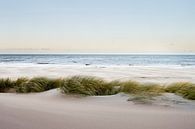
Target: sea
[[100, 59]]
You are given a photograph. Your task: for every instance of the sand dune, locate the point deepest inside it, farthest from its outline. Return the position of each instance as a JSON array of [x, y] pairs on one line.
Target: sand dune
[[52, 110]]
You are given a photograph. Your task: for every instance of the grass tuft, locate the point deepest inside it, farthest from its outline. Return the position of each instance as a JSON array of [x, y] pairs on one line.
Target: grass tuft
[[86, 86], [185, 89], [138, 88], [130, 87], [38, 84], [6, 84]]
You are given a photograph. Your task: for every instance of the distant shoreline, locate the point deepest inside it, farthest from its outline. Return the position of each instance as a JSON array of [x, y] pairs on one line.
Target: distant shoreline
[[50, 53]]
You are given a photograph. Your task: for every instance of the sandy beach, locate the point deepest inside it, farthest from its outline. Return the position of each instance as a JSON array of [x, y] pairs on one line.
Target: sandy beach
[[51, 110], [97, 64], [54, 110], [155, 74]]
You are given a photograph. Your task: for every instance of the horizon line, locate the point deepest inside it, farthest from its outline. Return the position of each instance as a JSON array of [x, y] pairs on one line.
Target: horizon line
[[97, 53]]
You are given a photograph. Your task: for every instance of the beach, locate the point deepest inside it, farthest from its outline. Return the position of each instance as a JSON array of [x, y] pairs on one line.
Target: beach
[[150, 74], [97, 64], [52, 109]]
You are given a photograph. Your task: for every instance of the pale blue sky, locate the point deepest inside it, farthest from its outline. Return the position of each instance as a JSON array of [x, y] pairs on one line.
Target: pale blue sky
[[98, 25]]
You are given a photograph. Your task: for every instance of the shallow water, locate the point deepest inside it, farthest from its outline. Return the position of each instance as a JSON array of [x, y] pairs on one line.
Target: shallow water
[[105, 60]]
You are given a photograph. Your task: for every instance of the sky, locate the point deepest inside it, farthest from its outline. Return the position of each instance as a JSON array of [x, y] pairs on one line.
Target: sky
[[98, 26]]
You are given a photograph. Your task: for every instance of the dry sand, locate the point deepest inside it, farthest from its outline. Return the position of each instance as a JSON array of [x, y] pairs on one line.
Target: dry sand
[[137, 73], [52, 110]]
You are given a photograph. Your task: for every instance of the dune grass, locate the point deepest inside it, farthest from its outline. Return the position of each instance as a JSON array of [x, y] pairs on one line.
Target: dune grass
[[39, 84], [86, 85], [6, 84], [136, 88], [185, 89]]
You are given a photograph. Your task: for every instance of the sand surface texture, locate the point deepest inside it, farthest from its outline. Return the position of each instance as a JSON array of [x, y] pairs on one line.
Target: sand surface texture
[[52, 110]]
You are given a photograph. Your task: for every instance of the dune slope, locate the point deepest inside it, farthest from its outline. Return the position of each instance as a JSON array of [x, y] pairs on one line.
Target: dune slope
[[52, 110]]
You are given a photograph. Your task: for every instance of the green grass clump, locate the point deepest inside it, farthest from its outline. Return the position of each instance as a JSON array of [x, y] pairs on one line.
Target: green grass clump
[[53, 83], [6, 84], [145, 92], [130, 87], [19, 85], [33, 85], [38, 84], [151, 89], [185, 89], [86, 86], [142, 89], [20, 81], [112, 87]]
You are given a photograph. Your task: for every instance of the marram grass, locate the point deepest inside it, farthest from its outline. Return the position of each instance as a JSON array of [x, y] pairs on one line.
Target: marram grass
[[38, 84], [86, 85], [6, 84], [138, 88], [185, 89]]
